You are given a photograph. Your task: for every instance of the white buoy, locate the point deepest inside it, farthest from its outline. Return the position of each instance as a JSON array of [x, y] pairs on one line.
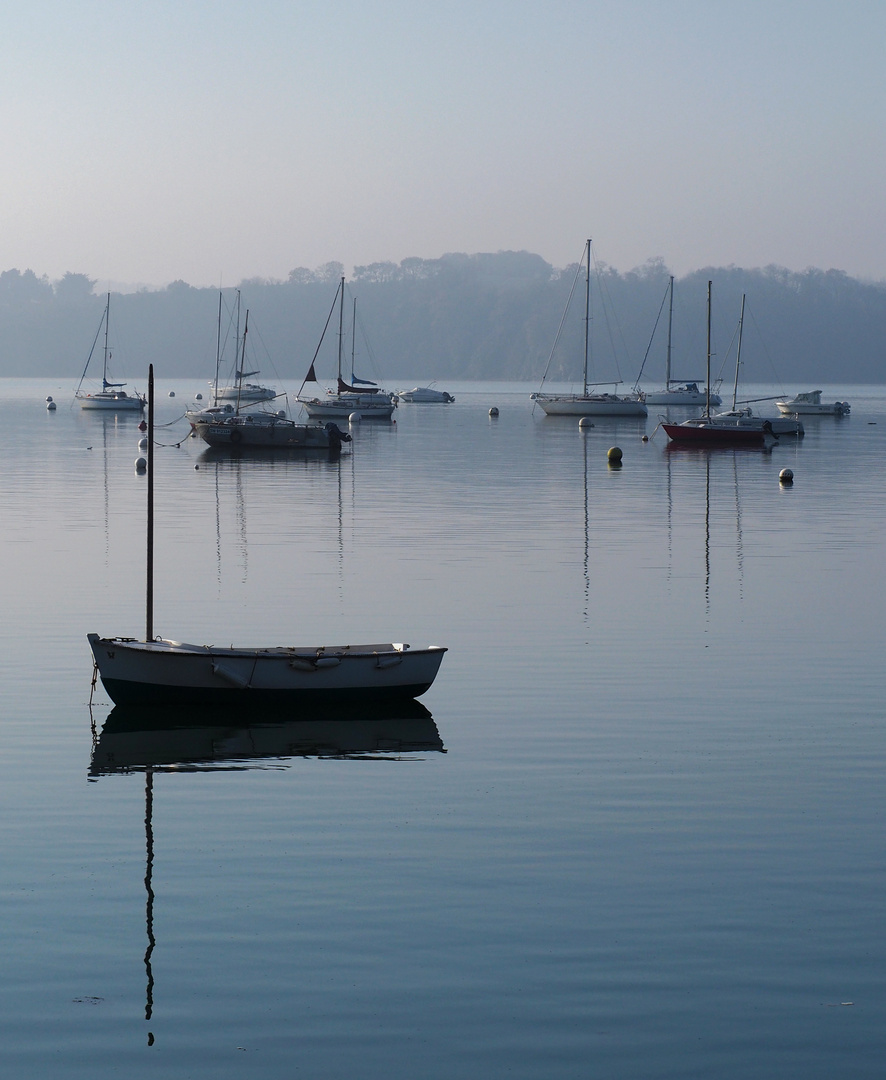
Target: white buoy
[[49, 399], [786, 476], [199, 397], [142, 444], [50, 405], [614, 455], [493, 411], [172, 393], [141, 464], [355, 418], [585, 421]]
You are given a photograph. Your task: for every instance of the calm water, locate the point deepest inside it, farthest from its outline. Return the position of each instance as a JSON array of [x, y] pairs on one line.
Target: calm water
[[636, 830]]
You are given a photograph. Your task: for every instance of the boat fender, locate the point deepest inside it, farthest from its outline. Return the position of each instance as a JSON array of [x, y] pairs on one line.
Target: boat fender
[[313, 663], [229, 675], [388, 660], [236, 436]]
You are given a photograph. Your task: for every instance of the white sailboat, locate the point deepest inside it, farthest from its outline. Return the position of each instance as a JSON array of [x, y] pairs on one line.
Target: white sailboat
[[159, 671], [366, 400], [678, 391], [112, 397], [238, 391], [590, 402]]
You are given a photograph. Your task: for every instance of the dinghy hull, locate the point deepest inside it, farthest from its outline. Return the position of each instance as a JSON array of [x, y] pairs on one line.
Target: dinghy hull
[[167, 672]]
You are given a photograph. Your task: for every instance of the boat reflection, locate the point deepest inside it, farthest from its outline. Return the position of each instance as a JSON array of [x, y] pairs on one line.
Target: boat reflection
[[133, 739], [149, 741]]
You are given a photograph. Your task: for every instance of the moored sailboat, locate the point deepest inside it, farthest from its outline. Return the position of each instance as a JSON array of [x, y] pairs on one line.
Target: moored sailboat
[[112, 397], [736, 427], [591, 401], [677, 391], [359, 397]]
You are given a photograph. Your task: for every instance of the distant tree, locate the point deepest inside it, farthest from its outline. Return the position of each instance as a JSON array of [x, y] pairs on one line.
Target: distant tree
[[417, 268], [301, 275], [178, 286], [377, 273], [73, 288], [16, 287], [329, 272]]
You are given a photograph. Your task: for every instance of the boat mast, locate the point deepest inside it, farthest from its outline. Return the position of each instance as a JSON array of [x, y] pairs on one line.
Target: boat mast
[[354, 339], [241, 367], [341, 324], [670, 324], [105, 364], [707, 382], [738, 356], [587, 320], [217, 350], [149, 597]]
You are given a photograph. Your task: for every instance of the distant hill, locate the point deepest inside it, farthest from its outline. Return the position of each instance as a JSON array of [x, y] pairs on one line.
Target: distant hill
[[482, 316]]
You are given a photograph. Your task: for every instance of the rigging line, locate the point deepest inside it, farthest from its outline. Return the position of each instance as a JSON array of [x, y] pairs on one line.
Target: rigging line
[[652, 336], [256, 331], [607, 307], [370, 352], [775, 376], [322, 336], [92, 350], [563, 319]]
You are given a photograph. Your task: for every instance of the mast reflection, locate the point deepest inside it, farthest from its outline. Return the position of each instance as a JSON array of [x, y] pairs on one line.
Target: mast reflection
[[134, 740]]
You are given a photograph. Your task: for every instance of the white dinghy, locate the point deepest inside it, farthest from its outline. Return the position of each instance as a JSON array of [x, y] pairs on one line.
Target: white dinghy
[[158, 671]]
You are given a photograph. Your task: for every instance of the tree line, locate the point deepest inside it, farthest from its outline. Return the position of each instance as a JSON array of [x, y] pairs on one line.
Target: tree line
[[483, 316]]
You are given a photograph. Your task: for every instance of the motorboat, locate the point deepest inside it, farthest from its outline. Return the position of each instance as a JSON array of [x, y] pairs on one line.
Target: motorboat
[[810, 404], [425, 395], [268, 430]]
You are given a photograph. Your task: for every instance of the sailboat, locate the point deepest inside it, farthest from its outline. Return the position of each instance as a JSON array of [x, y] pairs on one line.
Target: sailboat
[[238, 390], [366, 399], [589, 402], [159, 671], [736, 427], [678, 391], [112, 397]]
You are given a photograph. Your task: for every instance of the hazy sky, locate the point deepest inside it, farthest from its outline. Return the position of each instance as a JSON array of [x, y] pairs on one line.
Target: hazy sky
[[211, 141]]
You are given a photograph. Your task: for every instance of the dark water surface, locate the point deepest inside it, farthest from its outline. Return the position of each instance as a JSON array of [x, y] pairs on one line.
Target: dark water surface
[[636, 829]]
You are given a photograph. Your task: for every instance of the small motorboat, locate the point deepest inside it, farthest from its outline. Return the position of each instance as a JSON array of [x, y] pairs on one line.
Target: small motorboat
[[810, 404], [425, 395]]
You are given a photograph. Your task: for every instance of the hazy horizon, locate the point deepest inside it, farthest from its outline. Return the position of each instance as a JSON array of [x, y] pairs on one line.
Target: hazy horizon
[[160, 143]]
